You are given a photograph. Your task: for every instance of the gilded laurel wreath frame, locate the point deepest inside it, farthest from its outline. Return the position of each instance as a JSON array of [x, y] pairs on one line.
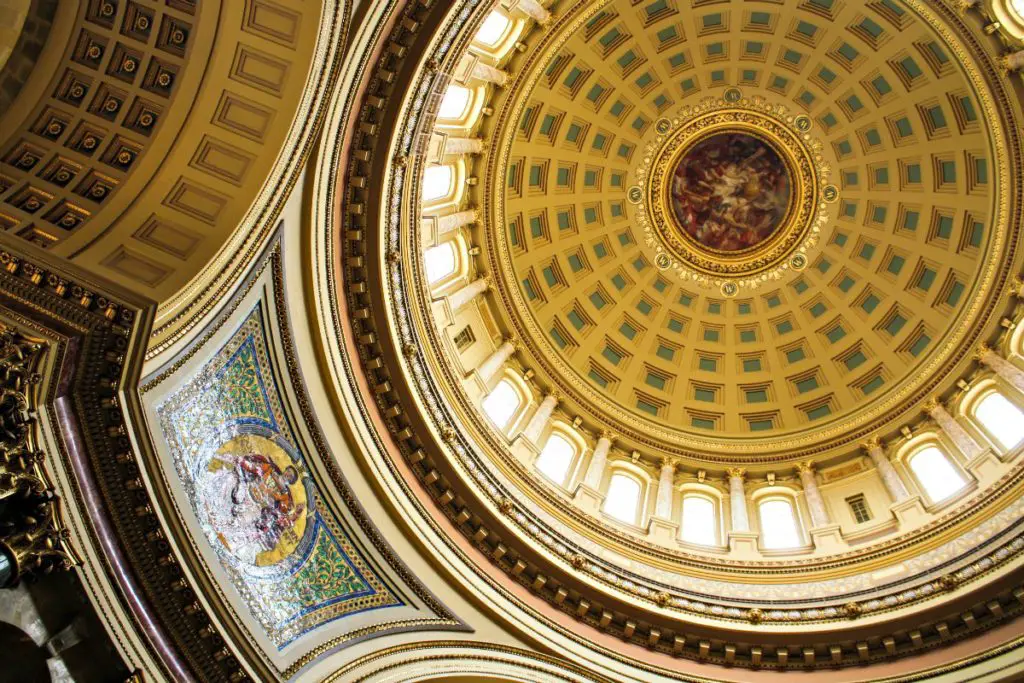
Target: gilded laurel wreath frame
[[801, 227]]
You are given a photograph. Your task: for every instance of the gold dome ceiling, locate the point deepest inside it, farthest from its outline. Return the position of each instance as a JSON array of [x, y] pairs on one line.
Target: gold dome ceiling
[[903, 275], [595, 343]]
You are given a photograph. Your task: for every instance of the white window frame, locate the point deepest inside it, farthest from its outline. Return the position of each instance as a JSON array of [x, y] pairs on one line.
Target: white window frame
[[622, 469], [991, 390], [559, 431], [787, 495], [926, 443], [715, 500], [516, 415]]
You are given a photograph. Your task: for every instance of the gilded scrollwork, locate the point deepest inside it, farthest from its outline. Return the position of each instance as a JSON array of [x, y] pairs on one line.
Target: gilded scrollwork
[[32, 536]]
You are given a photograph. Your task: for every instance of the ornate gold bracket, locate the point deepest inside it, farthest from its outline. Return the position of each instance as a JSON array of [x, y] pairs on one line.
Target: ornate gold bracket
[[33, 540]]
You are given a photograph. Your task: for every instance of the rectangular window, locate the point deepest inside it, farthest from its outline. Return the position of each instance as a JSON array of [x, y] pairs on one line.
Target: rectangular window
[[859, 508], [464, 338]]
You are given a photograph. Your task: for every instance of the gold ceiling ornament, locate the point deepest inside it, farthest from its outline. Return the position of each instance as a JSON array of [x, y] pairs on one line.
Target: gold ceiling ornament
[[694, 257], [33, 535]]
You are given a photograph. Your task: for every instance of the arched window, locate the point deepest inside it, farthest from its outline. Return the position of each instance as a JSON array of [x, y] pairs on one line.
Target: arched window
[[437, 182], [935, 473], [556, 458], [778, 524], [1018, 7], [623, 498], [1000, 418], [454, 103], [441, 261], [501, 404], [699, 524], [492, 30]]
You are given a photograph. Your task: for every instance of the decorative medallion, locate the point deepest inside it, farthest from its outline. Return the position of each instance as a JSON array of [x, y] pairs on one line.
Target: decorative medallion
[[255, 506], [729, 191]]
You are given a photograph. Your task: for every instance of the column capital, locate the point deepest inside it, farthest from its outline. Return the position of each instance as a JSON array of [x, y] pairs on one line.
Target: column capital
[[669, 463], [736, 472], [932, 405], [873, 443], [805, 467], [608, 434], [983, 352]]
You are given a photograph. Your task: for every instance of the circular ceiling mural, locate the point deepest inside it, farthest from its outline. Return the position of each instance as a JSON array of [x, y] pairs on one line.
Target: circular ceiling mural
[[730, 192]]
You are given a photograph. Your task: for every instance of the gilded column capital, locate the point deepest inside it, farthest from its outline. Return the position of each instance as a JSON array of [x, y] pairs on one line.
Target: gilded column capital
[[805, 467], [933, 404], [738, 472], [873, 443], [983, 352]]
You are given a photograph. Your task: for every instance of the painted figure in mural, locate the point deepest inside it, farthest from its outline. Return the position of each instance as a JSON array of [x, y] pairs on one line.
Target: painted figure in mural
[[730, 192], [255, 501]]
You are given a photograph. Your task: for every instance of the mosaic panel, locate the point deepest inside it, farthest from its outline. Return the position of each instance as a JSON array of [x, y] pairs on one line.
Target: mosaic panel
[[245, 477]]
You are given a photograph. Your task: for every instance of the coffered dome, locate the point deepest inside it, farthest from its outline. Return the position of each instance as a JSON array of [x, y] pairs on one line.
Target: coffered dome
[[703, 352], [697, 291]]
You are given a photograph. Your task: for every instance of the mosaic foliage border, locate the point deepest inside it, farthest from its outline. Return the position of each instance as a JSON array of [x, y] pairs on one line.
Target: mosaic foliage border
[[244, 474]]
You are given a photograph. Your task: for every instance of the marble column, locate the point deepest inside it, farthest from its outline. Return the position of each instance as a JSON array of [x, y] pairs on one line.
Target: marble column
[[663, 503], [890, 477], [540, 418], [598, 461], [493, 363], [489, 74], [461, 297], [1009, 372], [534, 10], [454, 221], [456, 145], [738, 500], [815, 503], [953, 429]]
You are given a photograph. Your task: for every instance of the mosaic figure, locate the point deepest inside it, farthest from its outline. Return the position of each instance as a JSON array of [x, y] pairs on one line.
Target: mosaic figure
[[730, 192], [254, 500]]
